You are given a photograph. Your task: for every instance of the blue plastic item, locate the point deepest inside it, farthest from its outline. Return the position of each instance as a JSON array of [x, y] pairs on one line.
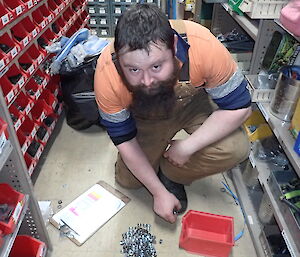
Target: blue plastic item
[[77, 37], [297, 145]]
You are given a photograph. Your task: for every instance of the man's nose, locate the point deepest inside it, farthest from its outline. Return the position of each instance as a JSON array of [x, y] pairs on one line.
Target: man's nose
[[147, 79]]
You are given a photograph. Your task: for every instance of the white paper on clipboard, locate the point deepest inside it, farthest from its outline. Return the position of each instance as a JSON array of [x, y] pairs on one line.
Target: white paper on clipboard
[[88, 212]]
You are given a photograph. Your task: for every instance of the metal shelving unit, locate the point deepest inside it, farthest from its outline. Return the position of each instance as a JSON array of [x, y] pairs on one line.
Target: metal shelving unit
[[9, 239], [261, 31], [252, 221], [283, 135], [14, 172]]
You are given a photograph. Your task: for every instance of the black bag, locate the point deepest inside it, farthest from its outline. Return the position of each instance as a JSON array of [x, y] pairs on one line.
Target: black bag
[[78, 94]]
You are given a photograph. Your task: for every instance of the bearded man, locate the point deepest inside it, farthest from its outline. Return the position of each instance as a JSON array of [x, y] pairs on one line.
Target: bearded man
[[157, 78]]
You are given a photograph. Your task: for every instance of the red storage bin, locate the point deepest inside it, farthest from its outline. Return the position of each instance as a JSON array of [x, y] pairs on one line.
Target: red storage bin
[[15, 201], [68, 15], [12, 47], [49, 98], [36, 54], [50, 121], [35, 149], [30, 163], [30, 27], [3, 128], [27, 246], [207, 234], [27, 64], [41, 78], [61, 4], [5, 16], [9, 90], [33, 90], [23, 141], [28, 3], [54, 8], [39, 19], [42, 134], [15, 6], [16, 76], [53, 85], [28, 128], [16, 116], [21, 34], [46, 38], [40, 111], [46, 13], [23, 103]]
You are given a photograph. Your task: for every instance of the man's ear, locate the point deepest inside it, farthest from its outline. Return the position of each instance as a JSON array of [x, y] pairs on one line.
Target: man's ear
[[175, 43]]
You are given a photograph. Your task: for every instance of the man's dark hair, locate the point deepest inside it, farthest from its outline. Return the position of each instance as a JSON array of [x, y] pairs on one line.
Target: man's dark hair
[[141, 25]]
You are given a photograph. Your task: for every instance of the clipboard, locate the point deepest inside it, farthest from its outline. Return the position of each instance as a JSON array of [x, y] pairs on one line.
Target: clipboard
[[80, 219]]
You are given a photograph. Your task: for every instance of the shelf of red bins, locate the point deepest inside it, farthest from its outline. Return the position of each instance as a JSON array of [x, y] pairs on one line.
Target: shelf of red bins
[[14, 202], [27, 246], [3, 135], [29, 28]]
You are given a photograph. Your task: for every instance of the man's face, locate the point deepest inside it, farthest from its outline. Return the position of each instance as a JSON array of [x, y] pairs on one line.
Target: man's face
[[151, 78], [145, 71]]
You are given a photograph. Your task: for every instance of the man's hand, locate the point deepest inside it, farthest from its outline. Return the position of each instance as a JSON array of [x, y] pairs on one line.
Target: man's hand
[[164, 205], [177, 153]]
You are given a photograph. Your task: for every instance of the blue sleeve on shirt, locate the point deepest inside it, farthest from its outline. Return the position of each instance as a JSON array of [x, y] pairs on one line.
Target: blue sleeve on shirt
[[237, 99]]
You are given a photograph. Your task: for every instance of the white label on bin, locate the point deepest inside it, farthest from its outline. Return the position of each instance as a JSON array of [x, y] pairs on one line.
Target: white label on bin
[[19, 10], [39, 152], [14, 52], [28, 108], [92, 21], [128, 1], [17, 212], [24, 147], [10, 96], [52, 125], [149, 1], [103, 21], [31, 168], [34, 33], [5, 19], [54, 105], [46, 137], [37, 94], [101, 10], [50, 17], [17, 124], [288, 244], [250, 220], [103, 32], [21, 82], [3, 71], [43, 116], [2, 142], [44, 83], [33, 132], [30, 4], [91, 10], [2, 64], [118, 10], [25, 41], [43, 24], [117, 1], [40, 59], [31, 69]]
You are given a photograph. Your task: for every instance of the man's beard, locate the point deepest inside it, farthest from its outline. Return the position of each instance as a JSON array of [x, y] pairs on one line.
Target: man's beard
[[157, 100]]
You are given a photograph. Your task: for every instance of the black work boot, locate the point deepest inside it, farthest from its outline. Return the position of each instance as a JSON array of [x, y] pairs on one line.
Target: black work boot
[[176, 189]]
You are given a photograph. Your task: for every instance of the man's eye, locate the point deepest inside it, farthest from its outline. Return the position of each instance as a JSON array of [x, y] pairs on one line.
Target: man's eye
[[133, 70], [156, 67]]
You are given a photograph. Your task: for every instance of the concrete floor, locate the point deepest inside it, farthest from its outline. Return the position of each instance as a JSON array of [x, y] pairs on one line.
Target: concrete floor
[[78, 160]]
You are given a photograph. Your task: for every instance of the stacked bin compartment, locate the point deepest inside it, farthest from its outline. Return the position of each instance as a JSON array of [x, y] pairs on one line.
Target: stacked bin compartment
[[104, 15], [29, 91]]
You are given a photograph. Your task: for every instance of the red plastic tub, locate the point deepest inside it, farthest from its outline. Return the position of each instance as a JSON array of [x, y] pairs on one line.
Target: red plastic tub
[[207, 234], [27, 246]]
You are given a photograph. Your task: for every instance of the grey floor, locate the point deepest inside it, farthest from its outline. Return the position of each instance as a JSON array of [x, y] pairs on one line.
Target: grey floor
[[78, 160]]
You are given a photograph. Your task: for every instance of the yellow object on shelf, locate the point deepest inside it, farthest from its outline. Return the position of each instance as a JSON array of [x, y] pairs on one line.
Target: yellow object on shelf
[[262, 128], [295, 123]]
